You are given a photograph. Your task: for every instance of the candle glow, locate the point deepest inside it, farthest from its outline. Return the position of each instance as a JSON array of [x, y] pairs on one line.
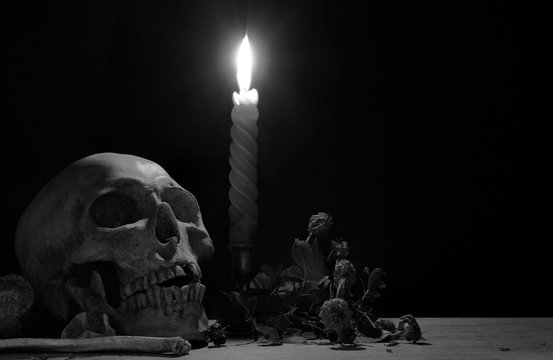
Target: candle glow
[[244, 65], [244, 76]]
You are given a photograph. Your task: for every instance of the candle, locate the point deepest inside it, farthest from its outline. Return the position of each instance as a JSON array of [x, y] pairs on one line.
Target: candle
[[243, 212]]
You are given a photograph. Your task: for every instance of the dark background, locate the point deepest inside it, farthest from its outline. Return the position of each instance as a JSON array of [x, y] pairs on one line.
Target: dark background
[[409, 123]]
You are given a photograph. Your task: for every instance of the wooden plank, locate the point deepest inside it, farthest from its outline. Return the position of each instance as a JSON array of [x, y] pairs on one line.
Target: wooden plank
[[445, 338]]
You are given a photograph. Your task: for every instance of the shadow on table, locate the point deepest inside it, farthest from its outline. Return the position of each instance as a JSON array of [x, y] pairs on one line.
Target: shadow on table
[[354, 347]]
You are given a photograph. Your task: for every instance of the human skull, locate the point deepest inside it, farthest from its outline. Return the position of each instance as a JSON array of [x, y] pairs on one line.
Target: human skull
[[115, 234]]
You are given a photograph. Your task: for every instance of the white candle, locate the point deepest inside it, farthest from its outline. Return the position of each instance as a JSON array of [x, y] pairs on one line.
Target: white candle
[[243, 210]]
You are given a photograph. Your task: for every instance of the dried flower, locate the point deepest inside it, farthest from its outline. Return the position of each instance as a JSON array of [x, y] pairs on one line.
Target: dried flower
[[217, 334], [409, 328], [319, 224], [339, 249], [344, 269], [335, 314], [345, 276]]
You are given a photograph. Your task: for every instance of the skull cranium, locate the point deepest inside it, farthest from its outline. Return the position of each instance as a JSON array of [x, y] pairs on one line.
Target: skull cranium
[[115, 234]]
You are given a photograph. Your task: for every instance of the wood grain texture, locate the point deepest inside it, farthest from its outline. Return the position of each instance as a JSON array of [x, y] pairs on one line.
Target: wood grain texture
[[445, 338]]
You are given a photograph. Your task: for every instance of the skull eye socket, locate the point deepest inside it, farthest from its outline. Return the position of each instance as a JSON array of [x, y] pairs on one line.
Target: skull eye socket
[[114, 210], [184, 205]]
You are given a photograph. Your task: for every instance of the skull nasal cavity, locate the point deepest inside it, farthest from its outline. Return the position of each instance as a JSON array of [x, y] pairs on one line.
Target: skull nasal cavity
[[166, 224]]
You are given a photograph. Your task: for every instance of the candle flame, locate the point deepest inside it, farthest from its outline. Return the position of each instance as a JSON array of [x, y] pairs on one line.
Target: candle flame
[[244, 65]]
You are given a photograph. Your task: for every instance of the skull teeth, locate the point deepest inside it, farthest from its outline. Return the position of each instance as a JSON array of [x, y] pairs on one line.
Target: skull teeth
[[170, 274], [128, 289], [157, 297], [170, 299], [179, 271], [157, 277]]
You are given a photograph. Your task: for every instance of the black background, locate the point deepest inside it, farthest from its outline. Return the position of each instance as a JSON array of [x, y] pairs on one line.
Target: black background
[[409, 123]]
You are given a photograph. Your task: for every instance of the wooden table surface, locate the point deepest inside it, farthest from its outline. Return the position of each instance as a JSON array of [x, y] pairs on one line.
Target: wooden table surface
[[445, 338]]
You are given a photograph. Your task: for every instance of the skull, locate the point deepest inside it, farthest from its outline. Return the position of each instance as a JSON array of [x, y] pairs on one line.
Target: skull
[[115, 234]]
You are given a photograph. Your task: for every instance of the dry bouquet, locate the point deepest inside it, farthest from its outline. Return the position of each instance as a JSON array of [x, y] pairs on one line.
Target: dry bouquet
[[321, 297]]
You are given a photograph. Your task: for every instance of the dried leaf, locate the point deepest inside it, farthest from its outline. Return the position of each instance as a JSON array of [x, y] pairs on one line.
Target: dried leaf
[[314, 276], [266, 279], [375, 278], [279, 322], [309, 335], [292, 331], [383, 336], [319, 259], [260, 281], [374, 282], [294, 339], [293, 273], [386, 325], [242, 301], [269, 333], [271, 343], [319, 342], [287, 287], [314, 295], [302, 254]]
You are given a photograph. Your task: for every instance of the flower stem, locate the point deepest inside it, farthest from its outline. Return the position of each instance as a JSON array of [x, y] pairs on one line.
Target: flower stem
[[366, 316]]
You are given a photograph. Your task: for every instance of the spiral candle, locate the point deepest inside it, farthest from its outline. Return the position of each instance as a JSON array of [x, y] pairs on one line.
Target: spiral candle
[[243, 210]]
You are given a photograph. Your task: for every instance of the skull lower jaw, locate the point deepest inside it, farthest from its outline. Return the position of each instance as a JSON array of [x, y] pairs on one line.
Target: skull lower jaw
[[191, 323]]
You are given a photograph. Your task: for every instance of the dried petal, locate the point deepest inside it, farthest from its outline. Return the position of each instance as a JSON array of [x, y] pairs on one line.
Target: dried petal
[[319, 224]]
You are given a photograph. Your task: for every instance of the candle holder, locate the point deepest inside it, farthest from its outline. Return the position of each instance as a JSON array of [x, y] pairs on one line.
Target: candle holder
[[243, 265]]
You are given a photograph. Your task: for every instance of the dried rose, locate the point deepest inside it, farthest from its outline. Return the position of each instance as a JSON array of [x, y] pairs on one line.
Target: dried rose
[[345, 276], [409, 328], [319, 224]]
